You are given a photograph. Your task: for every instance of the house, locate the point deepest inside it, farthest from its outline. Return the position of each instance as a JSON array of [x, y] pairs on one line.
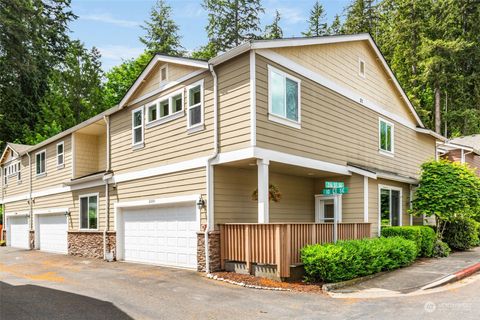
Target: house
[[463, 149], [180, 171]]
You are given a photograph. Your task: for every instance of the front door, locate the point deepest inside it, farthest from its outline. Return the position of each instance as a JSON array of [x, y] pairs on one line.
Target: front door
[[326, 207]]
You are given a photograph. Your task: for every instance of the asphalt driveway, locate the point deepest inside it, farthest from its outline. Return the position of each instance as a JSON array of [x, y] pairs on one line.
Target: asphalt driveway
[[38, 285]]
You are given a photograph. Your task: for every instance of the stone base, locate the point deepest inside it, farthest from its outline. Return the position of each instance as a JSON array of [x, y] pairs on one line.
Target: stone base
[[214, 251], [237, 267], [32, 239], [90, 244]]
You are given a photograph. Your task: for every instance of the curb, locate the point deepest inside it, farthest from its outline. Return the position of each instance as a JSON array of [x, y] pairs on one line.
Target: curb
[[329, 287], [459, 275], [241, 284]]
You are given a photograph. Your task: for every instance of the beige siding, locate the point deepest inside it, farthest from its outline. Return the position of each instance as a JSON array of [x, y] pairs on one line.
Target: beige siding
[[337, 130], [373, 209], [17, 206], [86, 155], [152, 81], [339, 62], [234, 99], [189, 182], [14, 186]]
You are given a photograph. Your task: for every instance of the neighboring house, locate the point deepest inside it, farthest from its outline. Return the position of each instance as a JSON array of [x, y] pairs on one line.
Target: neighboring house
[[463, 149], [180, 157]]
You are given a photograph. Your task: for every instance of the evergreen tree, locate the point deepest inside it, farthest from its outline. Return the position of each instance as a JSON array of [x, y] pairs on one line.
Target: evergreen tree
[[33, 40], [362, 16], [205, 52], [232, 22], [274, 31], [336, 26], [316, 23], [162, 31]]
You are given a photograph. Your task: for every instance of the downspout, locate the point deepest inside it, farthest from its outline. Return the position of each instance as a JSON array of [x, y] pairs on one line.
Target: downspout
[[210, 176], [30, 193], [107, 198], [4, 219]]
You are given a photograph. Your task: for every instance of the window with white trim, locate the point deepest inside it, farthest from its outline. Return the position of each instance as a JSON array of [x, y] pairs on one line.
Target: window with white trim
[[390, 206], [89, 212], [164, 108], [5, 176], [385, 136], [40, 162], [195, 105], [60, 154], [361, 68], [167, 107], [283, 95], [137, 127], [152, 112], [12, 170]]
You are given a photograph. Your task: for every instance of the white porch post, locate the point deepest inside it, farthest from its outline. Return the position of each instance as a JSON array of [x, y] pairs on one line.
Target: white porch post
[[365, 199], [262, 177]]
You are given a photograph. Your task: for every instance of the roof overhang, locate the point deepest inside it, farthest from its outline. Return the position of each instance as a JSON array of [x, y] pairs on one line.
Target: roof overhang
[[432, 133], [4, 154], [450, 146]]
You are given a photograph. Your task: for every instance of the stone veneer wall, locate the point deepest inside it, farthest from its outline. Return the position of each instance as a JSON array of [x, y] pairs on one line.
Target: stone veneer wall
[[32, 239], [90, 244], [214, 251]]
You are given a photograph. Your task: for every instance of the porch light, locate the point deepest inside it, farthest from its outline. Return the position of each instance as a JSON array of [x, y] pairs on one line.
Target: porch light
[[200, 203], [67, 213]]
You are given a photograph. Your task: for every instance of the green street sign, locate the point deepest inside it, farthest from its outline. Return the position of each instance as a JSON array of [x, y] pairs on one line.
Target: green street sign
[[332, 191], [333, 184]]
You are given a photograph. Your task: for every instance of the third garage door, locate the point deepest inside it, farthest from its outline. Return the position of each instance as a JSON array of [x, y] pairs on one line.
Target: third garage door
[[53, 233], [161, 235]]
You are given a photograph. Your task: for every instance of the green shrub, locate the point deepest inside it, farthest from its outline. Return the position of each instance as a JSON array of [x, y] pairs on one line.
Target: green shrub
[[461, 234], [423, 236], [350, 259], [441, 249], [2, 243]]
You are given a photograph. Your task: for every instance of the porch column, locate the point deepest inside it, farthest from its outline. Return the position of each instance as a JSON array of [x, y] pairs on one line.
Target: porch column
[[262, 177]]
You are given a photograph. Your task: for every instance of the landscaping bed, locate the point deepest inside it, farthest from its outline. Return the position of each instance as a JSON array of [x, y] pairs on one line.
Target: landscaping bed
[[264, 283]]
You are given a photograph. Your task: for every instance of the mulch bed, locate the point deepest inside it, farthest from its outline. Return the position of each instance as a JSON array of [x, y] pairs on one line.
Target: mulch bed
[[268, 283]]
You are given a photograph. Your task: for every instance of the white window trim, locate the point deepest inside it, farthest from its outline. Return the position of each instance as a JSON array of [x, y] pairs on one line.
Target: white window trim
[[364, 74], [80, 211], [390, 188], [275, 117], [172, 115], [147, 111], [45, 172], [380, 150], [165, 66], [61, 165], [200, 125], [138, 144], [319, 209]]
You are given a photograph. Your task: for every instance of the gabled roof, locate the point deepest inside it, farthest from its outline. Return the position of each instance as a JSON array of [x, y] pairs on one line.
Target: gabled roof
[[18, 149], [472, 141]]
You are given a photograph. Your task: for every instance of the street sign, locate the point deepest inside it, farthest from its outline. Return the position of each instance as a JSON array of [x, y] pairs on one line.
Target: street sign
[[333, 184], [332, 191]]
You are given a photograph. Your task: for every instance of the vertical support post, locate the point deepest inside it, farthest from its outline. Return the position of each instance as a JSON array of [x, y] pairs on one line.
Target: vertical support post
[[263, 186], [247, 249], [355, 231], [288, 249], [314, 233], [222, 246], [365, 199], [278, 250], [462, 157]]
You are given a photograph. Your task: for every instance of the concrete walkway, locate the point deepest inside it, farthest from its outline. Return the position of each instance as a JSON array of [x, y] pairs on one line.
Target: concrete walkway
[[418, 275]]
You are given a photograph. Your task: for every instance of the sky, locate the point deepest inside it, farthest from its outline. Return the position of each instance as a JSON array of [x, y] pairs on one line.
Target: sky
[[114, 26]]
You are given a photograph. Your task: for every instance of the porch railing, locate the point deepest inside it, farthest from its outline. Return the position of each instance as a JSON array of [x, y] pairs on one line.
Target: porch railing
[[279, 244]]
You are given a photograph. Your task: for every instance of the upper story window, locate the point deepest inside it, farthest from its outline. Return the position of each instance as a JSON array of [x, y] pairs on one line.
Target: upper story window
[[152, 112], [60, 154], [283, 97], [164, 73], [195, 105], [137, 127], [361, 68], [89, 211], [166, 108], [12, 170], [40, 162], [386, 136]]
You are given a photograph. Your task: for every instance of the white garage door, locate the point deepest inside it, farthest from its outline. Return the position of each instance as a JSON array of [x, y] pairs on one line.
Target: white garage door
[[18, 232], [162, 235], [52, 231]]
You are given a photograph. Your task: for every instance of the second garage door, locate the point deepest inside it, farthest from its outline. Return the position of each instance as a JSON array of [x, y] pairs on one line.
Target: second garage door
[[161, 235], [53, 233], [18, 232]]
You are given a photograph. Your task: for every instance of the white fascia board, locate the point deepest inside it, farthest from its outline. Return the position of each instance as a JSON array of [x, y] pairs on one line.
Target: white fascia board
[[156, 171], [183, 61], [295, 42], [362, 172], [244, 47], [158, 202], [97, 176], [51, 210], [17, 214], [236, 155], [432, 133], [294, 160], [383, 175], [307, 73]]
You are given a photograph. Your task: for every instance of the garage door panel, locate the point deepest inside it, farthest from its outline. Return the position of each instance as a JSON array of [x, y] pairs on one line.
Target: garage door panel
[[18, 231], [165, 235], [53, 233]]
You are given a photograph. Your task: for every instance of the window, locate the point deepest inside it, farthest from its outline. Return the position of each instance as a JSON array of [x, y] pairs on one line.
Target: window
[[152, 112], [326, 207], [177, 102], [40, 158], [12, 170], [164, 108], [361, 68], [137, 127], [5, 179], [195, 105], [60, 154], [89, 212], [19, 173], [390, 206], [164, 73], [385, 136], [283, 97]]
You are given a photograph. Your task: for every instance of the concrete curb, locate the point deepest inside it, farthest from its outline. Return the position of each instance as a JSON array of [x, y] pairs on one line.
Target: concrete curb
[[459, 275], [328, 287]]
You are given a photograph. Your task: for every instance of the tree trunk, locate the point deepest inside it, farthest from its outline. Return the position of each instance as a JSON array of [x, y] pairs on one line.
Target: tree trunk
[[437, 110]]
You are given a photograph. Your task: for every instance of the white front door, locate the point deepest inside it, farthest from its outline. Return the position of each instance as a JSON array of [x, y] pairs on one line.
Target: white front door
[[18, 232], [161, 235], [327, 207], [52, 231]]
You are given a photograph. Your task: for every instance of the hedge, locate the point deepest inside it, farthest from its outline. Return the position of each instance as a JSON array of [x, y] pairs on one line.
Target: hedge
[[461, 234], [350, 259], [423, 236]]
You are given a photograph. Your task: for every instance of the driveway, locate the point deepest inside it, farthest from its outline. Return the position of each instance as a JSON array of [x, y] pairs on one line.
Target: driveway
[[38, 285]]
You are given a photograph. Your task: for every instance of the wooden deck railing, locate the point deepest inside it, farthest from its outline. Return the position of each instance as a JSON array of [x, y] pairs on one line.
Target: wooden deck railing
[[280, 243]]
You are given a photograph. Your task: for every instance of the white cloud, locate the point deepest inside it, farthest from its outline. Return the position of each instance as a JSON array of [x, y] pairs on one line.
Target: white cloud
[[291, 15], [108, 18], [113, 55]]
